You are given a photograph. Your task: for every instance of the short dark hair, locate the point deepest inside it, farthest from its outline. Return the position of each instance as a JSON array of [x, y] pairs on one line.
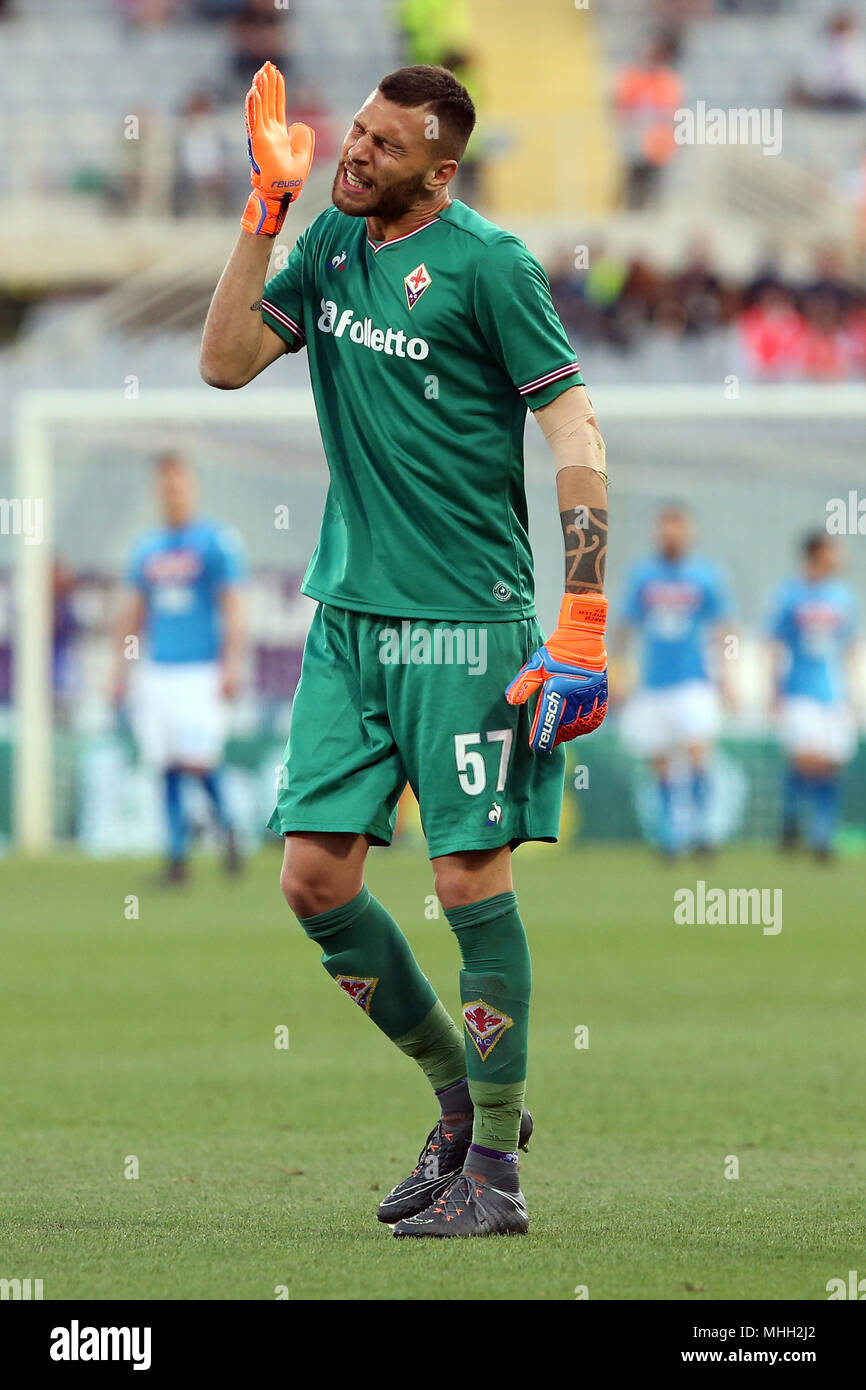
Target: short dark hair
[[673, 507], [447, 99], [813, 543]]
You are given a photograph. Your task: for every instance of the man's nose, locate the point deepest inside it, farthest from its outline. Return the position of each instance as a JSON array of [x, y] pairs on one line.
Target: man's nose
[[359, 150]]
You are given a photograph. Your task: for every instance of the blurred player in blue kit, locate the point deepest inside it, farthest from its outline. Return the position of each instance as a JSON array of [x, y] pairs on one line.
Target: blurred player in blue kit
[[185, 601], [813, 628], [677, 603]]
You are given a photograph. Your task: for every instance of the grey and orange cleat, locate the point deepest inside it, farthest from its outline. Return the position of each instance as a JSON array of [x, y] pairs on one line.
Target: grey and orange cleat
[[470, 1206], [440, 1160]]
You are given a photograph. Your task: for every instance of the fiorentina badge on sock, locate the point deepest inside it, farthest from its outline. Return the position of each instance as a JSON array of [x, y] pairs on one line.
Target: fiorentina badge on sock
[[359, 989], [485, 1026]]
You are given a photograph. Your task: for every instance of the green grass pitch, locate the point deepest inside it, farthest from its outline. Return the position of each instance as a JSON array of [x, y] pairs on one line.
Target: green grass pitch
[[261, 1167]]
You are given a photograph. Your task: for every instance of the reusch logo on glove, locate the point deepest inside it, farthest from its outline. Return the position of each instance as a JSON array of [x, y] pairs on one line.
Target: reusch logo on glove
[[548, 723]]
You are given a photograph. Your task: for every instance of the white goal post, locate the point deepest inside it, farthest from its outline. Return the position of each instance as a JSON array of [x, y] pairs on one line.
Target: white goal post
[[38, 414]]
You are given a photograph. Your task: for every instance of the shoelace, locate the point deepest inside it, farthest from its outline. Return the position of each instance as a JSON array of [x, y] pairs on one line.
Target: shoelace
[[429, 1147], [433, 1144], [457, 1196]]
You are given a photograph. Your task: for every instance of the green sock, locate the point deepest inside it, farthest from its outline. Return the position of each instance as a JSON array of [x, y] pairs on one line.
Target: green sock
[[367, 954], [495, 985]]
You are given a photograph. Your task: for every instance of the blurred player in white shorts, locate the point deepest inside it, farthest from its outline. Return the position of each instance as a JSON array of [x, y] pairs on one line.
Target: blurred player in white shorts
[[185, 600], [812, 627], [677, 603], [180, 714]]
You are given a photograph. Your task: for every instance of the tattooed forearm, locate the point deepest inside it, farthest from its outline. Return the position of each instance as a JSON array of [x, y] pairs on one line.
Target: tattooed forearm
[[584, 531]]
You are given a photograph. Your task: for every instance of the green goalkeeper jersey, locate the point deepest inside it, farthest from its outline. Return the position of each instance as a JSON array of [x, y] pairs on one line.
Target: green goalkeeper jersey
[[424, 352]]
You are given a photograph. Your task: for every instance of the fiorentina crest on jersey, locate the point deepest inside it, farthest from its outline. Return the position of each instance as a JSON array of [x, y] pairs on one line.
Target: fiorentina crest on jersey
[[359, 989], [485, 1026], [416, 282]]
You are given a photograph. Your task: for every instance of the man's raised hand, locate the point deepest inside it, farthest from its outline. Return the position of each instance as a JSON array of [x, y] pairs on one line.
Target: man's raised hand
[[280, 159]]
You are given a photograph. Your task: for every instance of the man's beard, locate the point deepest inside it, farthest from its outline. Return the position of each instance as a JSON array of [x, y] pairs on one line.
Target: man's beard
[[391, 204]]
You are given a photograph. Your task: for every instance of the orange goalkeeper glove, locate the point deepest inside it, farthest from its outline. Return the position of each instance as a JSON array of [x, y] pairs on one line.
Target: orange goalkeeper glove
[[280, 158], [570, 670]]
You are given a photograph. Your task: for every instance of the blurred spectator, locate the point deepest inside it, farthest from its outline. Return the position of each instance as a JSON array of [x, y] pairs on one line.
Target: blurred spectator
[[705, 301], [589, 299], [767, 276], [815, 330], [646, 95], [823, 342], [642, 294], [854, 341], [567, 286], [835, 75], [771, 334], [202, 182], [434, 29], [812, 331], [259, 32], [831, 280]]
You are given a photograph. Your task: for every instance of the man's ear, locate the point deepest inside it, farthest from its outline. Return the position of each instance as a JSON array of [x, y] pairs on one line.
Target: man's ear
[[443, 174]]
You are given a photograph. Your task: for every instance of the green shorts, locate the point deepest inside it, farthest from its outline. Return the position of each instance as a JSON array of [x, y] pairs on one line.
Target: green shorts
[[386, 701]]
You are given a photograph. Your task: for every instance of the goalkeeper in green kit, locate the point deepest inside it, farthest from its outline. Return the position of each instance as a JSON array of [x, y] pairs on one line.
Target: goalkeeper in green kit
[[429, 331]]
